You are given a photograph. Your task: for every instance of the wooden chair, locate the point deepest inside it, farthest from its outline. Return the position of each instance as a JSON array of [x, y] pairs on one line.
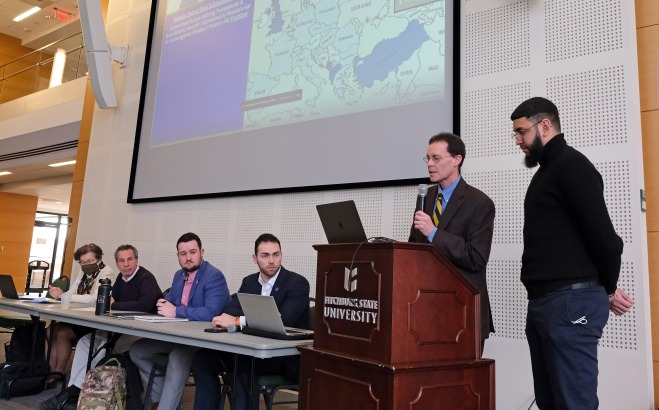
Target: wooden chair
[[33, 266]]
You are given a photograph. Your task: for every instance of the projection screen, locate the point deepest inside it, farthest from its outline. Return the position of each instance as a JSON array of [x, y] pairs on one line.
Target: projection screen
[[245, 96]]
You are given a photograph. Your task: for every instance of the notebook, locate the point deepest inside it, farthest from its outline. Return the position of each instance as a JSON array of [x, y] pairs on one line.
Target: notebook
[[160, 319], [341, 222], [128, 315], [8, 289], [263, 319]]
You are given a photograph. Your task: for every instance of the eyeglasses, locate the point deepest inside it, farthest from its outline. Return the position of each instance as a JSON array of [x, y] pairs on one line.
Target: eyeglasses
[[519, 134], [435, 158], [87, 262]]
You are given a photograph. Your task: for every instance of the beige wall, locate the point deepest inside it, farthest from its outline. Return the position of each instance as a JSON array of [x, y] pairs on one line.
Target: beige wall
[[647, 32], [17, 214]]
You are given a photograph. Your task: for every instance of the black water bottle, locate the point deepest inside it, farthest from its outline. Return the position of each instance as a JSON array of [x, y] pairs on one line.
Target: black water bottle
[[103, 299]]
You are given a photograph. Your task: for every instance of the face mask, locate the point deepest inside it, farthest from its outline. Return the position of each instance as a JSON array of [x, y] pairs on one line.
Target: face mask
[[89, 269]]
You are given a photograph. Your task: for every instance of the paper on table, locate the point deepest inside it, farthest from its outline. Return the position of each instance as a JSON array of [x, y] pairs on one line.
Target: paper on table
[[87, 309], [160, 319], [42, 300]]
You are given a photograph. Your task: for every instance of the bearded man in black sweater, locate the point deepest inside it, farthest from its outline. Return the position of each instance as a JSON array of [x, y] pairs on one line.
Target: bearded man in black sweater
[[571, 261]]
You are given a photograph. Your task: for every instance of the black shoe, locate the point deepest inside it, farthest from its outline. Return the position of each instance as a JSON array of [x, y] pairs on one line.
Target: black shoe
[[70, 395]]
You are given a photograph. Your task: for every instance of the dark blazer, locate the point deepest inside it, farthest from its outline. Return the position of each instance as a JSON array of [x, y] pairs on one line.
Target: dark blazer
[[291, 293], [464, 236]]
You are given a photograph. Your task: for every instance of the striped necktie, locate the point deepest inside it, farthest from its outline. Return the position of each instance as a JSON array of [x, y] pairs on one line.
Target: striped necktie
[[438, 209]]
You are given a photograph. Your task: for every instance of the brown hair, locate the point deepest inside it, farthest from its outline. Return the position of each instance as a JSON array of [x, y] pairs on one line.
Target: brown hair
[[84, 249]]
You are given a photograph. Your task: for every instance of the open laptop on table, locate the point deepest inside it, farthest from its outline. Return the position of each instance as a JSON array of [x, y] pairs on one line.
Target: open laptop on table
[[341, 222], [263, 319], [8, 289]]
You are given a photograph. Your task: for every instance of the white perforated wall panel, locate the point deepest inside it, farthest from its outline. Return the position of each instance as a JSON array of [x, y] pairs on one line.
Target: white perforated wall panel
[[580, 54], [595, 27]]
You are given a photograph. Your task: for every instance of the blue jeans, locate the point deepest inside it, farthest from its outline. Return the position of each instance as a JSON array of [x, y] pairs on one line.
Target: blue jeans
[[563, 329]]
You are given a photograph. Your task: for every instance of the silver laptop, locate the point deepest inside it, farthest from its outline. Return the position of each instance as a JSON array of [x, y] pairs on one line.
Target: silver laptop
[[263, 319]]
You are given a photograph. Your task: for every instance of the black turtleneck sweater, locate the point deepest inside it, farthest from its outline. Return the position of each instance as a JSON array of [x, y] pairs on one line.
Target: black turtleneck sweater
[[568, 235]]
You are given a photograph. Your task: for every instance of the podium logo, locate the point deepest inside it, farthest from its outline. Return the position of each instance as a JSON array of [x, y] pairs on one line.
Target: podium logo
[[350, 280]]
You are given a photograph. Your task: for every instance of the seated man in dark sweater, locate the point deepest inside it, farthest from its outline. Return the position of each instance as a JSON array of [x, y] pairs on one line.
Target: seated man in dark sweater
[[134, 289]]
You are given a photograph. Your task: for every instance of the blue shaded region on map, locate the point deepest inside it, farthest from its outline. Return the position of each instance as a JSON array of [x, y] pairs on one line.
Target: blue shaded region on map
[[389, 54], [277, 20]]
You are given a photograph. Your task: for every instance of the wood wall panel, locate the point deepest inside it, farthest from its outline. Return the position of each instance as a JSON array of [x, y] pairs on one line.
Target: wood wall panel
[[17, 214], [650, 132], [24, 83], [647, 37], [647, 13], [11, 49], [648, 66], [653, 265], [79, 176]]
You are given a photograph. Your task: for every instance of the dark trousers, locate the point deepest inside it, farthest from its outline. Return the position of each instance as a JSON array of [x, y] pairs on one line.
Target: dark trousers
[[207, 365], [563, 329]]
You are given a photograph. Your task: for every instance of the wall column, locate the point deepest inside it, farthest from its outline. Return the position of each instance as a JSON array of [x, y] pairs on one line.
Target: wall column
[[647, 33]]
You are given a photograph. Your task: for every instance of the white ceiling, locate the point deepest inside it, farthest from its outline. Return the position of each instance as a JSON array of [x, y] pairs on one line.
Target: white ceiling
[[41, 28]]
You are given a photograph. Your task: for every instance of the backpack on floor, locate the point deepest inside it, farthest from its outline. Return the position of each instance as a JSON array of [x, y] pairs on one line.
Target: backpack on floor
[[133, 381], [19, 348], [16, 379], [104, 387], [15, 376]]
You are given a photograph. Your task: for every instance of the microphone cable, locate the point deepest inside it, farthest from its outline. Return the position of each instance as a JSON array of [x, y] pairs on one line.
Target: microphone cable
[[372, 239]]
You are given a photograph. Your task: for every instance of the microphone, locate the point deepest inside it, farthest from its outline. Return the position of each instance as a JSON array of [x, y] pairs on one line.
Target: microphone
[[231, 328], [421, 199]]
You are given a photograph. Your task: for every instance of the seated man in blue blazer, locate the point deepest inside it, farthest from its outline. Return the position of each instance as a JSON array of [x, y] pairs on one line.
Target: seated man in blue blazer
[[291, 293], [199, 292]]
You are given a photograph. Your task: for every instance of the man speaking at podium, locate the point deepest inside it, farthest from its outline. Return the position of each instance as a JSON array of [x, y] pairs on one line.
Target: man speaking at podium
[[456, 218]]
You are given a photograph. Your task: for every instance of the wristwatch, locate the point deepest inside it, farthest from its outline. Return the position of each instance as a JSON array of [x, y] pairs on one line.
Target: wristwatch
[[237, 321]]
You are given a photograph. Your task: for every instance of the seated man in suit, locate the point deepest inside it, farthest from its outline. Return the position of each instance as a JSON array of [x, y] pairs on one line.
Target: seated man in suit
[[199, 292], [291, 293], [134, 289]]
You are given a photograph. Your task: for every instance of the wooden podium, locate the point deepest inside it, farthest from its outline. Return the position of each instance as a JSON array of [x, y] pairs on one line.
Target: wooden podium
[[400, 330]]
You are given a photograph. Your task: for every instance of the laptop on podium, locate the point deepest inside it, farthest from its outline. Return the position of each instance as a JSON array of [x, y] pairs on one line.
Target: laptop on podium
[[341, 222], [263, 319]]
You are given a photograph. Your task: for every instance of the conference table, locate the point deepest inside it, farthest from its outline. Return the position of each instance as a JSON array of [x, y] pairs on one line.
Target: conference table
[[186, 333]]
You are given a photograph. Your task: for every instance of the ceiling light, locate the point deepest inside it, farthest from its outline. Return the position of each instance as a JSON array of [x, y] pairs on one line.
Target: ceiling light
[[3, 173], [61, 164], [26, 14]]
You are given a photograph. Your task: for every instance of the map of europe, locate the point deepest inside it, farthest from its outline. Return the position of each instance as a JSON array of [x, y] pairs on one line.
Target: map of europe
[[312, 59]]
